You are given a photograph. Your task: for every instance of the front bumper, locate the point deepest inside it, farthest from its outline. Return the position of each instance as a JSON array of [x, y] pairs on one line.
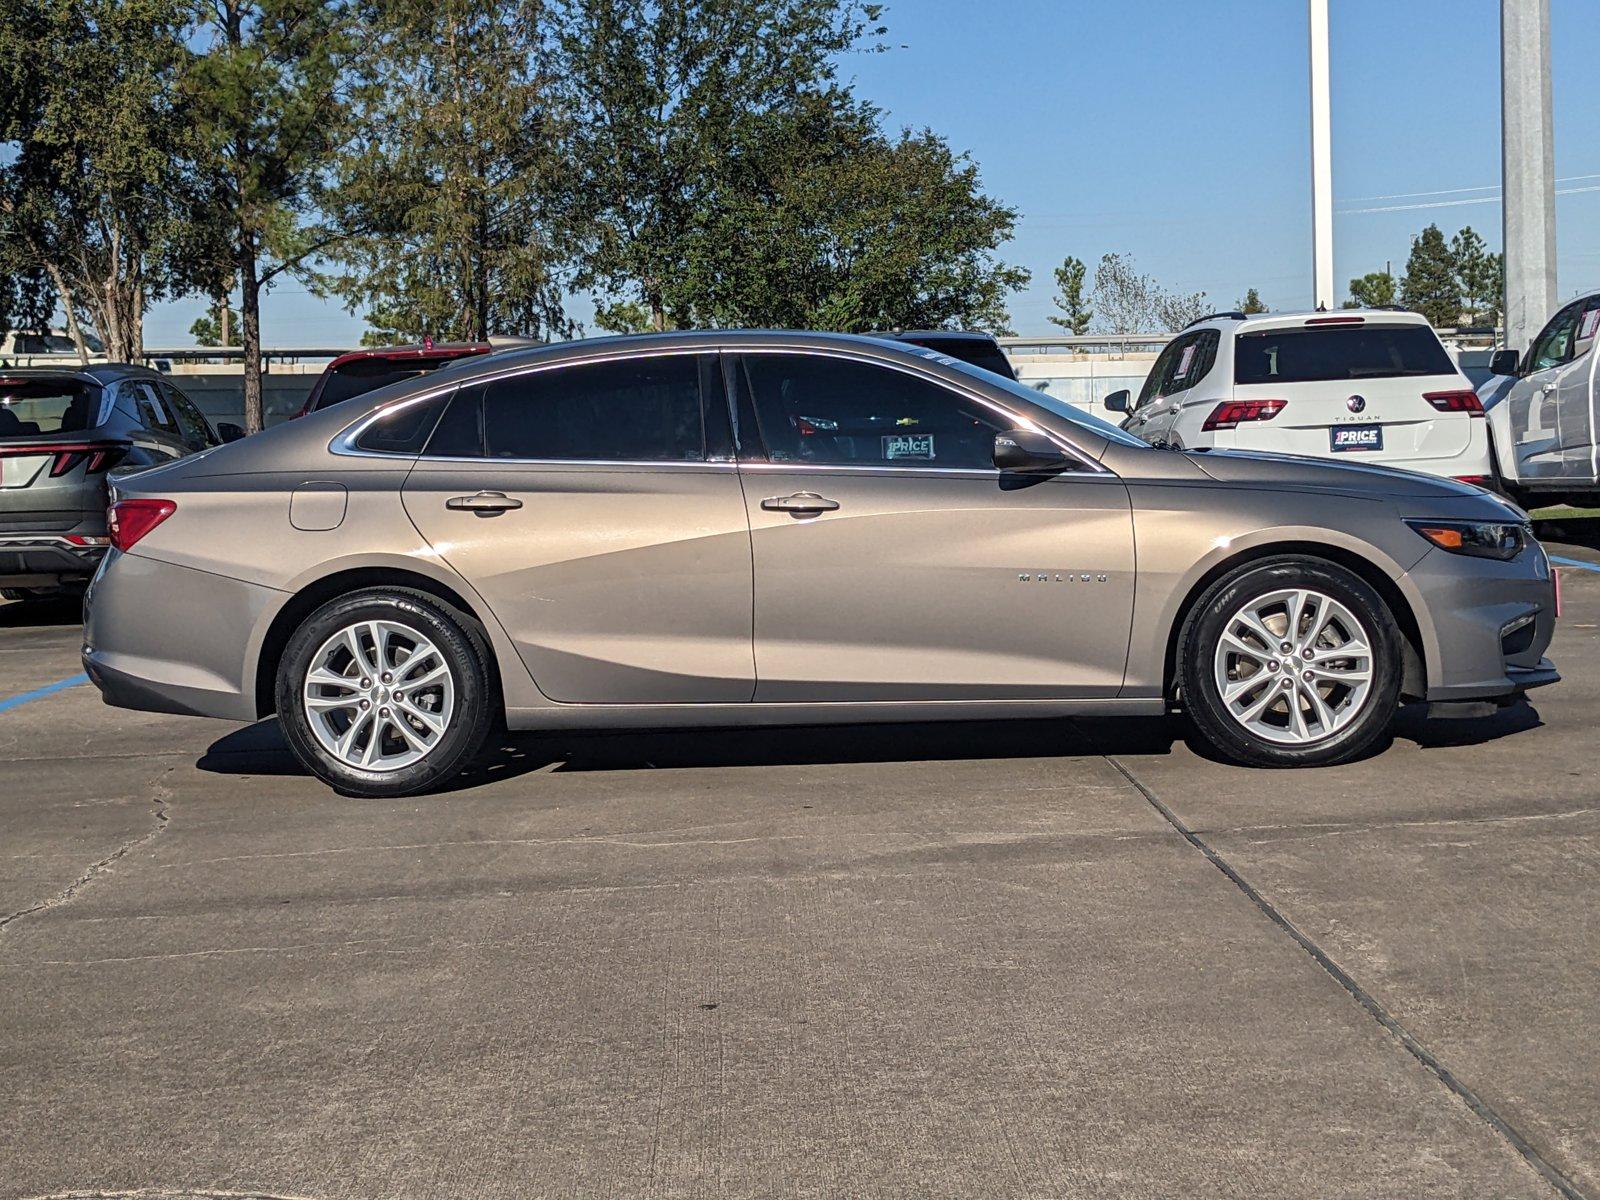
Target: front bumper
[[48, 559], [1491, 623]]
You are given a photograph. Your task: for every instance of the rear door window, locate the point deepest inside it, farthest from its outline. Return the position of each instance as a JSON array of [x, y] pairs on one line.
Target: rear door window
[[1338, 352], [822, 409], [193, 427], [645, 409]]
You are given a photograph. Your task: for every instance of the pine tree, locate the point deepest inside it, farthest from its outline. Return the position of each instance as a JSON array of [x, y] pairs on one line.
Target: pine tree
[[1431, 287], [1075, 311], [265, 97], [1252, 303], [457, 182], [1375, 289]]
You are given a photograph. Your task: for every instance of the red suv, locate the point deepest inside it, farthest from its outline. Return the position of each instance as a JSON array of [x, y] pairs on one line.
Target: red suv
[[363, 371]]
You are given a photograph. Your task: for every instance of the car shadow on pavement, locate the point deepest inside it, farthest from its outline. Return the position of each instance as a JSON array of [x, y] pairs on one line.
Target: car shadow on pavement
[[39, 614], [260, 749], [1446, 726]]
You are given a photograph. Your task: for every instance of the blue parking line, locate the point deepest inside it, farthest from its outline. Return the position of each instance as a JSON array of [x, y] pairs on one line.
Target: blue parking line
[[1575, 562], [48, 689]]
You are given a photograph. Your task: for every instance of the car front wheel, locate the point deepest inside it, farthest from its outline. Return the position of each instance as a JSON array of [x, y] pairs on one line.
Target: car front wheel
[[1291, 661], [385, 692]]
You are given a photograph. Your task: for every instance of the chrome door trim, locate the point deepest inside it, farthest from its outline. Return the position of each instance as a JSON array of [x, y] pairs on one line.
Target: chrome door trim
[[343, 443]]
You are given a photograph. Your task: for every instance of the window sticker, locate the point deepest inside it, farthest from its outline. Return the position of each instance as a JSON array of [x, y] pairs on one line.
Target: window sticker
[[1183, 363], [907, 445], [1591, 321]]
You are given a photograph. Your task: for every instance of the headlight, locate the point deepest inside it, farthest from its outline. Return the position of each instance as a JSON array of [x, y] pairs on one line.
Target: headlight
[[1502, 540]]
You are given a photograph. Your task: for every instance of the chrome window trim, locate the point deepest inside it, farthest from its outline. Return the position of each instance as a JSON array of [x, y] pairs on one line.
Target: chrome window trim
[[343, 443], [630, 464]]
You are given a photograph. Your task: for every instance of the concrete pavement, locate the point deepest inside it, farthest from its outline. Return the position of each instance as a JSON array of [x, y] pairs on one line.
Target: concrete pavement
[[927, 960]]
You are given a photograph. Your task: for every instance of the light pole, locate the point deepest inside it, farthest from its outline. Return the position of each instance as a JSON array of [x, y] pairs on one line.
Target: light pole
[[1527, 163], [1321, 160]]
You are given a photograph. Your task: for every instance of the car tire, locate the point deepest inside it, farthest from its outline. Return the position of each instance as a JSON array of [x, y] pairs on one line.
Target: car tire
[[402, 697], [1312, 705]]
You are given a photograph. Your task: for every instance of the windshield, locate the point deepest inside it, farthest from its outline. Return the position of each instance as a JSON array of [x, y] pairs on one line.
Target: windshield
[[29, 407], [1060, 408], [1340, 352]]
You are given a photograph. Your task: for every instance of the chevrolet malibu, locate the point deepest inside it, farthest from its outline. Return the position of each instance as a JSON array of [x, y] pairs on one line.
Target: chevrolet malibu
[[751, 528]]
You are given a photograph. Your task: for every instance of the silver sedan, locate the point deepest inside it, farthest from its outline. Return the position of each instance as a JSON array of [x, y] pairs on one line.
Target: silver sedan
[[759, 528]]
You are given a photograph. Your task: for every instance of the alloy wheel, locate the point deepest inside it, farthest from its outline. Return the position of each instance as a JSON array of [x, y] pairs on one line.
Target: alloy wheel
[[379, 696], [1294, 666]]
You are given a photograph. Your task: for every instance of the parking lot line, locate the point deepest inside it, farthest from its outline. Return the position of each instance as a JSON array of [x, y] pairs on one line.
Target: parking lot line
[[48, 689], [1574, 562]]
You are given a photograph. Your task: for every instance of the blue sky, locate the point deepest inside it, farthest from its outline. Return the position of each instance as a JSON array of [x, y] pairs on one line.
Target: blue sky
[[1177, 132]]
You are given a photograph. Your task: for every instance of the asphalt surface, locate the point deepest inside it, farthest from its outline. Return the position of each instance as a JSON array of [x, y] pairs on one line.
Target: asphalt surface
[[979, 960]]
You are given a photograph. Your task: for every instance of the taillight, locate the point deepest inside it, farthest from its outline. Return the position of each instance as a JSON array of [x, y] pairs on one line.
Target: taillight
[[64, 456], [98, 457], [1235, 412], [128, 521], [1460, 400]]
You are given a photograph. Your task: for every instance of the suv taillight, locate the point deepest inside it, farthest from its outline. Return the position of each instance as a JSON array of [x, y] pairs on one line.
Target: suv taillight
[[98, 457], [1235, 412], [129, 520], [1459, 400]]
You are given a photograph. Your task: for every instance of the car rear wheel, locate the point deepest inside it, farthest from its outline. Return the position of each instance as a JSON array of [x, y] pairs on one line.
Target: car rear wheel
[[385, 692], [1290, 661]]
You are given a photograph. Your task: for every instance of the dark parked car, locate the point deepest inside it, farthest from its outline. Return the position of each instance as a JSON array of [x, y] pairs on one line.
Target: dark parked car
[[362, 371], [61, 432], [979, 349]]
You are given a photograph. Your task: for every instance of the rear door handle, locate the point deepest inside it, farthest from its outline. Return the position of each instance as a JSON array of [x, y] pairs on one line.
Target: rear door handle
[[484, 502], [800, 502]]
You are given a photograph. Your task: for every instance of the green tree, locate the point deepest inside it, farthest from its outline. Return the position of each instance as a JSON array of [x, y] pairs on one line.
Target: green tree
[[1075, 311], [217, 327], [826, 222], [1430, 286], [1375, 289], [265, 96], [1252, 303], [1480, 275], [668, 91], [96, 197], [457, 180]]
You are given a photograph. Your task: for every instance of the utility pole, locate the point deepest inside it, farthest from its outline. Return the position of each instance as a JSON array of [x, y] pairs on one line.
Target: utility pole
[[1527, 164], [1321, 160]]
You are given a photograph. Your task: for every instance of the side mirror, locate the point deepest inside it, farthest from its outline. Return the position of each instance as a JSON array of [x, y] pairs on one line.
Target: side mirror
[[1503, 362], [1027, 450], [1118, 401], [228, 431]]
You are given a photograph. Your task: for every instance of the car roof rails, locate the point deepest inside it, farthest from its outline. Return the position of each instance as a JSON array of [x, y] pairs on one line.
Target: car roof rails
[[1219, 316]]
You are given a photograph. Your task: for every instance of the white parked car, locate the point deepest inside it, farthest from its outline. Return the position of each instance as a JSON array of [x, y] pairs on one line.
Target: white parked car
[[1543, 423], [1367, 385]]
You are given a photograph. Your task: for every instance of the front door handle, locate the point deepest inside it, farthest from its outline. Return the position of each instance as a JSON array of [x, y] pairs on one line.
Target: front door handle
[[484, 502], [801, 502]]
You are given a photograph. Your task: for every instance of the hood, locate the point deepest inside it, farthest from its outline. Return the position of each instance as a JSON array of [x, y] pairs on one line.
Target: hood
[[1319, 474]]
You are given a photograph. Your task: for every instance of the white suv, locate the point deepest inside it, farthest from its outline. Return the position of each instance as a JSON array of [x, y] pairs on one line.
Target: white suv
[[1367, 385]]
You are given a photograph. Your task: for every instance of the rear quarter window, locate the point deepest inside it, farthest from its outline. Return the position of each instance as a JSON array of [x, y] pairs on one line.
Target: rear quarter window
[[1340, 352]]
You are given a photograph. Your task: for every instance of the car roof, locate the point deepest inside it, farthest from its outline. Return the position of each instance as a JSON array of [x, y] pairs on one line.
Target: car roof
[[403, 353], [938, 335], [1238, 321], [706, 341], [100, 373]]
